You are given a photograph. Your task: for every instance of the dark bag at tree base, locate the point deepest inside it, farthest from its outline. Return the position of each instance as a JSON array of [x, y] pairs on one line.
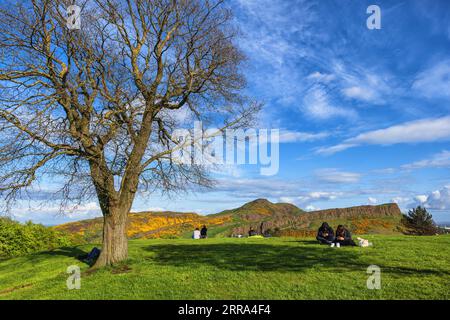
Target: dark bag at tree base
[[92, 256]]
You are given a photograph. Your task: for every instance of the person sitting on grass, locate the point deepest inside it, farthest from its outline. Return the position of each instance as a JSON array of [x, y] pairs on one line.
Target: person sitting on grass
[[252, 232], [343, 237], [325, 234], [203, 232], [196, 234]]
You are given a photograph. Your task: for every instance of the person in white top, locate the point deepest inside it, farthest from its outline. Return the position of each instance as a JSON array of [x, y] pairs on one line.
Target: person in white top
[[196, 234]]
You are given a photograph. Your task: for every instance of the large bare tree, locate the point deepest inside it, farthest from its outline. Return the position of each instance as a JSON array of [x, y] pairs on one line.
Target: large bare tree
[[97, 105]]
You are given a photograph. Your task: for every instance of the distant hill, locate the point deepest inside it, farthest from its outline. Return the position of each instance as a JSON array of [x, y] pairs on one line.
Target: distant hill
[[280, 219], [287, 220]]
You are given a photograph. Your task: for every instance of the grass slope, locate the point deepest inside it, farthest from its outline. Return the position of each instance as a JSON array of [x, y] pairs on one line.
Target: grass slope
[[275, 268]]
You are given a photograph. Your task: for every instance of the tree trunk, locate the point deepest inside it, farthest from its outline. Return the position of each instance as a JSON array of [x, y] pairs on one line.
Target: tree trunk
[[115, 242], [115, 208]]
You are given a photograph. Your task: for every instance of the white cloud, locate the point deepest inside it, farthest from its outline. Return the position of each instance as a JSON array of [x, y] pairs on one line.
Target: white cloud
[[421, 198], [435, 81], [317, 105], [296, 136], [335, 149], [361, 93], [371, 200], [311, 208], [439, 160], [321, 77], [318, 196], [437, 200], [287, 200], [268, 28], [54, 214], [425, 130], [419, 131], [360, 83], [306, 199], [333, 175], [400, 200], [285, 136]]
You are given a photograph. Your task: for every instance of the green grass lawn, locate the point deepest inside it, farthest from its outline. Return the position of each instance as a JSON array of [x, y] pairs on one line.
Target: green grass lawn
[[276, 268]]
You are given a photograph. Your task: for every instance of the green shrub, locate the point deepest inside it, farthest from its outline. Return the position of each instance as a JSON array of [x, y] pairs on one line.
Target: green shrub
[[19, 239]]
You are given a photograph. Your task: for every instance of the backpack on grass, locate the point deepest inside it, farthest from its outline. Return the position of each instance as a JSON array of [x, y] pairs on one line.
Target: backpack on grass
[[92, 256]]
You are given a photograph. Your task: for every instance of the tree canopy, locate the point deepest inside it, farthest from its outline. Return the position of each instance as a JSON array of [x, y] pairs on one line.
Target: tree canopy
[[95, 107]]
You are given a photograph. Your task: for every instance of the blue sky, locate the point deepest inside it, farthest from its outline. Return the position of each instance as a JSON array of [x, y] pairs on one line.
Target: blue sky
[[364, 114]]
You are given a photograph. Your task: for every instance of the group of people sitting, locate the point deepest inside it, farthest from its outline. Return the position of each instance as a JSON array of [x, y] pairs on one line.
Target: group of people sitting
[[325, 235], [342, 237], [252, 232], [200, 234]]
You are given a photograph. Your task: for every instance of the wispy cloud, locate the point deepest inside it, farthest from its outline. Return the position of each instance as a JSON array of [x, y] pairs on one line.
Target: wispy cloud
[[307, 198], [287, 136], [273, 33], [293, 191], [251, 188], [332, 175], [364, 84], [53, 214], [439, 160], [434, 82], [420, 131], [321, 77], [317, 105]]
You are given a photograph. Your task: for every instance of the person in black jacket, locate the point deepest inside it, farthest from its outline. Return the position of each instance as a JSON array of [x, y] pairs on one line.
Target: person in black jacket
[[204, 233], [325, 234], [343, 237]]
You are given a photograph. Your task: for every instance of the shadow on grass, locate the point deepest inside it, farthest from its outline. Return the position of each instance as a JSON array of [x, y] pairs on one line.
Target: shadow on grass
[[264, 257], [261, 257], [72, 252], [309, 242], [38, 257]]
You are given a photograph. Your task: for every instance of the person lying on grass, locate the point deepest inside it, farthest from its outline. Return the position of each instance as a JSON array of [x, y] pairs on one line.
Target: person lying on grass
[[325, 234], [343, 237]]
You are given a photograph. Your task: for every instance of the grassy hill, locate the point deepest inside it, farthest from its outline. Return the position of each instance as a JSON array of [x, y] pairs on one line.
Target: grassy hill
[[231, 268], [282, 219], [147, 225]]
